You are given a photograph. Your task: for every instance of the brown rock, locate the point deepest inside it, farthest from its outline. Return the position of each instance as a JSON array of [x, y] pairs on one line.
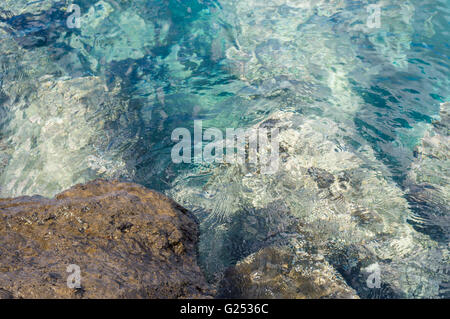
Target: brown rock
[[129, 242], [280, 272]]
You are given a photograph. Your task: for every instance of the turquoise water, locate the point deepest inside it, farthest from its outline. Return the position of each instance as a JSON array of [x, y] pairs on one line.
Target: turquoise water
[[351, 100]]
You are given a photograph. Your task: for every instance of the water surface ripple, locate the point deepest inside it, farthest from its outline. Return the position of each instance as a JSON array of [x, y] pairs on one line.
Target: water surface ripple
[[362, 112]]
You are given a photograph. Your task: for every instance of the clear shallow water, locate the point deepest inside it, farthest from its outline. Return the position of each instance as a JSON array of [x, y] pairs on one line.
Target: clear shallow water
[[352, 101]]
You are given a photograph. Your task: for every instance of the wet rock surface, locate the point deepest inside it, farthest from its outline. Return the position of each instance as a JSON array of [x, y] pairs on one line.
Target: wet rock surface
[[129, 242], [277, 272]]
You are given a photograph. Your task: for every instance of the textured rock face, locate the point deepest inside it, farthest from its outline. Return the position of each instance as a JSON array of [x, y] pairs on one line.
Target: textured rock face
[[279, 273], [128, 241]]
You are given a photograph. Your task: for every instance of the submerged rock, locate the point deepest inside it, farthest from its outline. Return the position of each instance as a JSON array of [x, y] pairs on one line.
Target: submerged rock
[[109, 36], [433, 161], [279, 272], [329, 192], [129, 242], [68, 131], [34, 26], [428, 180]]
